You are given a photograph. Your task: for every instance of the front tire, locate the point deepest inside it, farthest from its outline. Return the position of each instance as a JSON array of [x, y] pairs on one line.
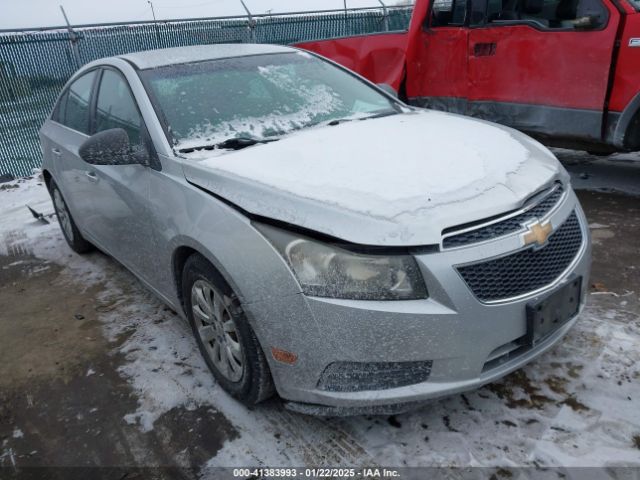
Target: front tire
[[68, 226], [225, 339]]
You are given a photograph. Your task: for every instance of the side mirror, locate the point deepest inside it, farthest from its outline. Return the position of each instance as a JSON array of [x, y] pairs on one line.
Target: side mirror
[[110, 147], [389, 89]]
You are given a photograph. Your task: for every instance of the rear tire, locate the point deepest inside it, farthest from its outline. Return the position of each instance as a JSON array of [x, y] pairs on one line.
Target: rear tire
[[68, 226], [226, 341]]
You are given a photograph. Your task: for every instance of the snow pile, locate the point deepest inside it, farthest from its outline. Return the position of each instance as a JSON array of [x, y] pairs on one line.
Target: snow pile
[[21, 233]]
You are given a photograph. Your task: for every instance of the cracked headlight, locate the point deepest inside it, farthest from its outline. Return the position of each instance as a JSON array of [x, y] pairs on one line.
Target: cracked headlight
[[325, 270]]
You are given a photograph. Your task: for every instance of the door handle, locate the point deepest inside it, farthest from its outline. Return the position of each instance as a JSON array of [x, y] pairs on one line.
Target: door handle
[[484, 49], [92, 176], [56, 151]]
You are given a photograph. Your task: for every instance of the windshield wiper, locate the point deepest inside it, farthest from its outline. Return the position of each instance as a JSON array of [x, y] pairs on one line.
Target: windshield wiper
[[338, 121], [384, 113], [234, 143]]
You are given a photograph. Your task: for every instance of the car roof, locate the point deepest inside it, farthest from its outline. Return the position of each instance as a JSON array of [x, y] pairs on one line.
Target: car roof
[[198, 53]]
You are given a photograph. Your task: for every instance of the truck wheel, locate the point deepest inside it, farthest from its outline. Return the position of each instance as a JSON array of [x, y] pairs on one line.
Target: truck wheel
[[68, 226], [225, 338]]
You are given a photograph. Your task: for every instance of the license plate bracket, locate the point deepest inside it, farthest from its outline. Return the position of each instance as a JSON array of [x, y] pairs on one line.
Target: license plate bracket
[[549, 314]]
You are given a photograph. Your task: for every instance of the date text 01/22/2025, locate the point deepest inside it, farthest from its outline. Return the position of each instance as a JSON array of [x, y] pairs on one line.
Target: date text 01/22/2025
[[316, 472]]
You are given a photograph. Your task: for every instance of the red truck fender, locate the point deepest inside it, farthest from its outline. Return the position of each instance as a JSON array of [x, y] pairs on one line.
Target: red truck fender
[[626, 132]]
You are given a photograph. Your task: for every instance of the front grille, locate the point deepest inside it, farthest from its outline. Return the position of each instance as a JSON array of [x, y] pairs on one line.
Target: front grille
[[526, 270], [506, 226], [360, 376]]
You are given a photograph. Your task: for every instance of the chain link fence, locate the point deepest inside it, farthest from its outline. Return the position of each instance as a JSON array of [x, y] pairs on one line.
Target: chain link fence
[[34, 65]]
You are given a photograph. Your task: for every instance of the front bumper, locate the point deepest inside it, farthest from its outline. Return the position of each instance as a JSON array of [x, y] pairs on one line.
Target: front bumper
[[469, 343]]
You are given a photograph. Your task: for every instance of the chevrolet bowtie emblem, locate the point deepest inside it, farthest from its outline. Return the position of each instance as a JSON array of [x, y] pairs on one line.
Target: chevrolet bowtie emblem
[[537, 233]]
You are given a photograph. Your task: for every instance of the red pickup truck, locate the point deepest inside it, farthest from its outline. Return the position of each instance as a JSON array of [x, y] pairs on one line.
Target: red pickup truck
[[564, 71]]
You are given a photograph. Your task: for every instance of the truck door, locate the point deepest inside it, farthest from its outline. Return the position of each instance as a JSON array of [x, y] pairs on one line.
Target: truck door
[[377, 57], [542, 66], [437, 62]]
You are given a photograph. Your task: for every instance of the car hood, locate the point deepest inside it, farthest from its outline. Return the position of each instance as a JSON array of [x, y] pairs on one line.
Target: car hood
[[391, 181]]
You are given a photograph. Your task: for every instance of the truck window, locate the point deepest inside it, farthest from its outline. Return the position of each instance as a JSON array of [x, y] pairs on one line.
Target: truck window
[[549, 14], [448, 12]]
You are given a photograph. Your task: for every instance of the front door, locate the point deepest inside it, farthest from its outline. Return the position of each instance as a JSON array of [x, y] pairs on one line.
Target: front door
[[121, 191], [437, 59], [542, 66]]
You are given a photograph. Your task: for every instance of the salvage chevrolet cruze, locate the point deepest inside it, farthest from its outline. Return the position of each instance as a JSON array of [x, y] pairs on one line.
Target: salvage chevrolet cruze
[[324, 240]]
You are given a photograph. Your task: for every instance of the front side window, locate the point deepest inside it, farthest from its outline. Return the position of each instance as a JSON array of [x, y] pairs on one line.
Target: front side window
[[73, 108], [116, 108], [260, 96], [552, 14]]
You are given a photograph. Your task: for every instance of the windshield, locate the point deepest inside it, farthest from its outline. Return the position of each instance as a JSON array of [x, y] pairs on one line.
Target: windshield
[[260, 96]]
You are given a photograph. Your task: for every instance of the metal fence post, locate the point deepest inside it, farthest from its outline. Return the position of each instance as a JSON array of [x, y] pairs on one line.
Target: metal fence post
[[252, 23], [346, 18], [385, 18], [73, 39], [155, 23]]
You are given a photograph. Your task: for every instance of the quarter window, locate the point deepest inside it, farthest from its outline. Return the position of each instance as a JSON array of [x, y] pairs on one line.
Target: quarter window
[[61, 107], [116, 107], [73, 108]]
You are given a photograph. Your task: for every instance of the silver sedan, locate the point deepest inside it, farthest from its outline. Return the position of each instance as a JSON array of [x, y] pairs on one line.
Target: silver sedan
[[324, 240]]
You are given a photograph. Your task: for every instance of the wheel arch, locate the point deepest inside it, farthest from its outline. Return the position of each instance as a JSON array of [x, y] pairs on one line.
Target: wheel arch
[[179, 258], [626, 135]]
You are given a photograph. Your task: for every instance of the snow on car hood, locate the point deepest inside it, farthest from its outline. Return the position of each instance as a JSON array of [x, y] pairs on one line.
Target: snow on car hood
[[391, 181]]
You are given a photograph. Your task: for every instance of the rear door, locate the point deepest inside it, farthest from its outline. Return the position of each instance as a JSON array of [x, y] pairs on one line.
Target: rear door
[[122, 220], [542, 66], [62, 136]]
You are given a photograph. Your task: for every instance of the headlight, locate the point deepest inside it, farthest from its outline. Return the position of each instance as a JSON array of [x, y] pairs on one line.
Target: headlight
[[327, 271]]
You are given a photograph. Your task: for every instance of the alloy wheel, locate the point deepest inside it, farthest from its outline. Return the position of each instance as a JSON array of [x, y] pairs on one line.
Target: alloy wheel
[[64, 218], [217, 330]]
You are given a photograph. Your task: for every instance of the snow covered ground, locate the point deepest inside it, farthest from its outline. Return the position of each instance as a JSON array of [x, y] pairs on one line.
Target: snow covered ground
[[578, 405]]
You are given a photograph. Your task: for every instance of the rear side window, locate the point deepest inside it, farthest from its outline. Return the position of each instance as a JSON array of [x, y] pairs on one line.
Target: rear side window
[[73, 108], [551, 14], [116, 107]]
